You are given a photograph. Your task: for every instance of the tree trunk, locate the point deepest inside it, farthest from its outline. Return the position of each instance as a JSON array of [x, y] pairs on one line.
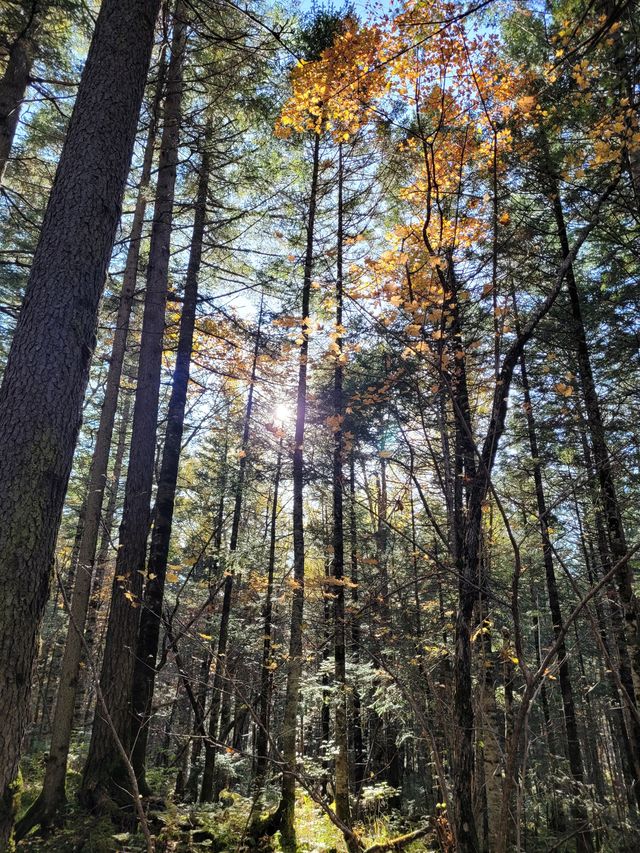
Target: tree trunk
[[358, 749], [48, 365], [208, 775], [489, 729], [623, 718], [341, 734], [86, 689], [584, 840], [53, 790], [325, 708], [191, 788], [466, 830], [288, 802], [466, 538], [608, 497], [389, 753], [104, 773], [262, 739], [149, 630], [13, 88]]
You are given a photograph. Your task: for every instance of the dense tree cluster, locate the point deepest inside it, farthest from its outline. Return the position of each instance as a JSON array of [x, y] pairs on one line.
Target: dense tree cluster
[[319, 423]]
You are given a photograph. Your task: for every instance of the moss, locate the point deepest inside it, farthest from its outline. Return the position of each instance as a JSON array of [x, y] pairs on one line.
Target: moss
[[80, 834], [314, 830], [10, 803]]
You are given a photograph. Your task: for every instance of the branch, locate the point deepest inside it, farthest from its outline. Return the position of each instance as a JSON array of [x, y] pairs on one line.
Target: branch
[[503, 383], [399, 842]]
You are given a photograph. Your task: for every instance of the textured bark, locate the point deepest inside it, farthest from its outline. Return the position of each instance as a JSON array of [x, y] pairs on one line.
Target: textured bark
[[288, 801], [220, 675], [13, 88], [466, 538], [47, 369], [104, 772], [149, 629], [53, 790]]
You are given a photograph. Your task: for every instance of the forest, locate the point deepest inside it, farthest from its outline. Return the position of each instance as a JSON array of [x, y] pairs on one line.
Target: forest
[[320, 426]]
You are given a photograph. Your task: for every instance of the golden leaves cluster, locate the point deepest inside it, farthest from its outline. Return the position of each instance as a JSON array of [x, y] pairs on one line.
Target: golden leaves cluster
[[334, 93]]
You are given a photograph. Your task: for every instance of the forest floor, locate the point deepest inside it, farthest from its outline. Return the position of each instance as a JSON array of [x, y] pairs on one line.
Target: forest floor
[[182, 827]]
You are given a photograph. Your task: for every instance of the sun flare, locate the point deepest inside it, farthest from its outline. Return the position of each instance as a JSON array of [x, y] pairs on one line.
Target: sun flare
[[283, 414]]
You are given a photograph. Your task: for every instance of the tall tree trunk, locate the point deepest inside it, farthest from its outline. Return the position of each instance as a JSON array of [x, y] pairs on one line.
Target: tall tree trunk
[[490, 772], [466, 538], [262, 739], [624, 719], [584, 841], [608, 496], [325, 708], [219, 678], [341, 734], [557, 814], [149, 630], [104, 773], [358, 749], [466, 829], [191, 788], [389, 753], [85, 690], [288, 801], [52, 795], [48, 365], [13, 88], [69, 580]]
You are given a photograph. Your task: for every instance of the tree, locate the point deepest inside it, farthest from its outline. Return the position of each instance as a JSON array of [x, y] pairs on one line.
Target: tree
[[53, 789], [149, 628], [104, 772], [53, 342], [432, 217]]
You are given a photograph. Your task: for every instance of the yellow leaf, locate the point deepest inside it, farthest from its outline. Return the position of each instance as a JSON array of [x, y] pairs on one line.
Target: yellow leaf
[[563, 389]]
